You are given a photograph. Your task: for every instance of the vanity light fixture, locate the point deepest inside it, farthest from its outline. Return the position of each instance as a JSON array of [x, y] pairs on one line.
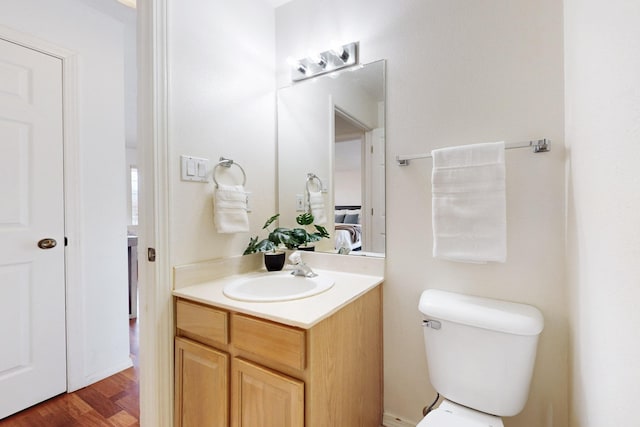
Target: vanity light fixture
[[298, 66], [341, 53], [325, 62], [321, 61], [301, 69], [130, 3]]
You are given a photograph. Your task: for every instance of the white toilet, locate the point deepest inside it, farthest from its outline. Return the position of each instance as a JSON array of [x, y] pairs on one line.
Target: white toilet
[[480, 354]]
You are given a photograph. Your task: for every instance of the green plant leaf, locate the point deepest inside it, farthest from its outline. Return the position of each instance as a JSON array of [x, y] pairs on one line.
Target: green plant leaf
[[265, 245], [251, 247], [305, 219], [280, 236], [322, 231], [270, 221], [300, 235]]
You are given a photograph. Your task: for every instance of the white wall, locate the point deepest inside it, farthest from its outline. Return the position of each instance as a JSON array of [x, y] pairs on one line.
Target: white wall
[[602, 45], [221, 103], [98, 42], [130, 80], [131, 161], [460, 72]]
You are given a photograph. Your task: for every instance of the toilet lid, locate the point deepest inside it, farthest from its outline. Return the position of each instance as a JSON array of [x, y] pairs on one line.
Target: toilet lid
[[449, 414]]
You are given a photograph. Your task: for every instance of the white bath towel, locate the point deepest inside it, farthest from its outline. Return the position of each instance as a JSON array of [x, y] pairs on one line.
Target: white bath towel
[[469, 203], [230, 209], [316, 203]]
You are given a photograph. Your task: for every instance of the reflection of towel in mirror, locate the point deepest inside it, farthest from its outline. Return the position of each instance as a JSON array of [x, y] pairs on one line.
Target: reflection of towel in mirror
[[469, 204], [316, 203], [230, 209]]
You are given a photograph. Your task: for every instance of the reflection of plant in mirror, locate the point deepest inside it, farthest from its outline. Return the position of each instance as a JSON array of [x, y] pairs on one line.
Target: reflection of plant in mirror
[[290, 238], [304, 219]]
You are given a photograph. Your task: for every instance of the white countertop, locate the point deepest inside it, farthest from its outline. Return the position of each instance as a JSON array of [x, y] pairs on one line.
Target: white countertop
[[303, 313]]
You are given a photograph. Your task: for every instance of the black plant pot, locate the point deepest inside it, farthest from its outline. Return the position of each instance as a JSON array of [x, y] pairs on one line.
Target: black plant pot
[[274, 261], [307, 248]]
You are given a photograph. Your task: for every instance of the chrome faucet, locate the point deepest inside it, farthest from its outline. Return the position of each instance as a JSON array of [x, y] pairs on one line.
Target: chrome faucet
[[299, 267]]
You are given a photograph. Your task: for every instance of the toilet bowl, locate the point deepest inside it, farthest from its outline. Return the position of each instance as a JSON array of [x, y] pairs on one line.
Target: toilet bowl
[[450, 414]]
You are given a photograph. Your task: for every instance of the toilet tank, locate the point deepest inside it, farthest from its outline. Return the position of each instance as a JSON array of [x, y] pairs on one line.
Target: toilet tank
[[480, 351]]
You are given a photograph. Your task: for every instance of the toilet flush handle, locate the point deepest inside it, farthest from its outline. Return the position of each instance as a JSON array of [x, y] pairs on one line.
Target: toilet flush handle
[[433, 324]]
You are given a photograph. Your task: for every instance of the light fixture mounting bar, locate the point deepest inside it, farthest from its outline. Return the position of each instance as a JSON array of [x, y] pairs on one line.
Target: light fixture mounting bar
[[325, 62]]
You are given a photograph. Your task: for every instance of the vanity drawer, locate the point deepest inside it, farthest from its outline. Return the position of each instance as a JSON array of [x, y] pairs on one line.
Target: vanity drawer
[[279, 343], [202, 323]]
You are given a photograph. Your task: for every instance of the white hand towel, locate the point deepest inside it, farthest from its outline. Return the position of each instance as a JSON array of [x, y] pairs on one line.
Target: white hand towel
[[230, 209], [469, 203], [316, 203]]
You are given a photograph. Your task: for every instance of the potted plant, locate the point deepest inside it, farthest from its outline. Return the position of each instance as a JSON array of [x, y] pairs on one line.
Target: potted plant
[[302, 237], [290, 238]]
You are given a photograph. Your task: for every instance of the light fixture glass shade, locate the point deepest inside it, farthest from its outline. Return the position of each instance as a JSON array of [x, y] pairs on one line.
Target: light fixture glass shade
[[130, 3]]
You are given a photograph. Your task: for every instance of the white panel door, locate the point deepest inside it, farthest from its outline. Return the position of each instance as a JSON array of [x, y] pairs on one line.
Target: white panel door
[[32, 286]]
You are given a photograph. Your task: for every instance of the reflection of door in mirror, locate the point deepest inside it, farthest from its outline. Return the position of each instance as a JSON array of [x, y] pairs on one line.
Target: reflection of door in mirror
[[376, 192], [358, 195]]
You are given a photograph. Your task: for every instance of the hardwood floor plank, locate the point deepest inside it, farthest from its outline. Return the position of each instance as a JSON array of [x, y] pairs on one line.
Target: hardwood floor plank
[[34, 420], [112, 402], [98, 402], [91, 419], [124, 419], [131, 403], [131, 373], [69, 404], [112, 385]]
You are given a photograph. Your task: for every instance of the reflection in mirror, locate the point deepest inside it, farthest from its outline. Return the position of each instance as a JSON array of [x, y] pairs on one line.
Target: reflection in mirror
[[333, 127]]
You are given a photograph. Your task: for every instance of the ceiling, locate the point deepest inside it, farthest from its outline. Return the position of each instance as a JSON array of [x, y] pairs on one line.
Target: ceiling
[[276, 3]]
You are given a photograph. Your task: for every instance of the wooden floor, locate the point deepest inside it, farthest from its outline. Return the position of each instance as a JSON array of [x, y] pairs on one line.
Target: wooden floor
[[112, 402]]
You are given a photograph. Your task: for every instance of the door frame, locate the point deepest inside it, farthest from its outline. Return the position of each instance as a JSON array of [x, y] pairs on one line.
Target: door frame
[[73, 219], [155, 284]]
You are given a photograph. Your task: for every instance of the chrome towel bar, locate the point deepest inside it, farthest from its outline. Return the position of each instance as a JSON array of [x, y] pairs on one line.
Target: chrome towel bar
[[538, 145]]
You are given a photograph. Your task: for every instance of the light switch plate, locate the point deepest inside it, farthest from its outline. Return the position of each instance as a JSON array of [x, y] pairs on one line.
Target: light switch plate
[[194, 169]]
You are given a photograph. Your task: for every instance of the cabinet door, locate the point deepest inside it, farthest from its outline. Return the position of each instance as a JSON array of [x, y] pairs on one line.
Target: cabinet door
[[264, 398], [201, 386]]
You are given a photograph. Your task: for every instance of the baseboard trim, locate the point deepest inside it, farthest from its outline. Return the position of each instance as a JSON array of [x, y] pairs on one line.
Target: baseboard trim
[[390, 420], [99, 376]]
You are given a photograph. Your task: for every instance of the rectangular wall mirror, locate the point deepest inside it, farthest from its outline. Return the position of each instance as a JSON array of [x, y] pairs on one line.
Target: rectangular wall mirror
[[333, 126]]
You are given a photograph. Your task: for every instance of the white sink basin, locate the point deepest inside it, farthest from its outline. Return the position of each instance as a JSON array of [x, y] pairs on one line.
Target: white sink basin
[[276, 286]]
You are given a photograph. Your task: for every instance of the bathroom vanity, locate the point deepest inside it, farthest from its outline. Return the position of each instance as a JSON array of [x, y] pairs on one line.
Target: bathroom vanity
[[310, 362]]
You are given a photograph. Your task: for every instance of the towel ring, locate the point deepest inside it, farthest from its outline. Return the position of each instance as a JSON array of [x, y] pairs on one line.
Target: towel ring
[[227, 164], [310, 178]]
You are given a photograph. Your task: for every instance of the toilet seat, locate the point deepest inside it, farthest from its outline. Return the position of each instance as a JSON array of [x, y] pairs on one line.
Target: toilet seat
[[450, 414]]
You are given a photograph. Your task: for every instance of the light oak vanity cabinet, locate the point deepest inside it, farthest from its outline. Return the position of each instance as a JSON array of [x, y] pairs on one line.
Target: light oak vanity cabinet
[[236, 370]]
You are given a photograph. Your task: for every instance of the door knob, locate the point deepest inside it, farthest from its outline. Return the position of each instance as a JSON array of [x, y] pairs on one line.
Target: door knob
[[47, 243]]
